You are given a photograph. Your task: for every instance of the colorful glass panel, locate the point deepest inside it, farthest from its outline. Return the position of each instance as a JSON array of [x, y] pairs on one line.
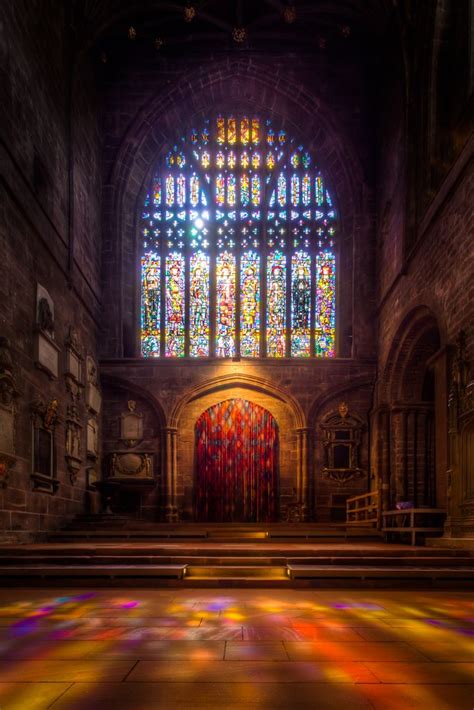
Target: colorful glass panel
[[301, 304], [250, 304], [199, 305], [220, 190], [295, 190], [180, 190], [325, 330], [231, 190], [231, 131], [276, 304], [174, 305], [306, 190], [225, 305], [150, 305], [157, 192], [255, 131], [245, 131], [194, 190], [255, 190], [191, 212], [170, 191], [319, 191], [221, 129], [244, 190], [281, 189]]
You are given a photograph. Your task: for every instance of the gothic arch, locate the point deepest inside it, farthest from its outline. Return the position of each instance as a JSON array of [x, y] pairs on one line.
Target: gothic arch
[[417, 338], [165, 116], [219, 386]]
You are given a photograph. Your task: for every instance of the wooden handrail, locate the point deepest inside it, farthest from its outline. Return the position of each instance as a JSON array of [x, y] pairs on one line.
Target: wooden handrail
[[364, 509]]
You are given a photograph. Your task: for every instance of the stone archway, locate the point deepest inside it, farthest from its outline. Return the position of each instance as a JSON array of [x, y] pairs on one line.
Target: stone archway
[[412, 383], [236, 464]]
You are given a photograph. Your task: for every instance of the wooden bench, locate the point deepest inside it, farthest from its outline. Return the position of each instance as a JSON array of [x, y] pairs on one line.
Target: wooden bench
[[410, 520]]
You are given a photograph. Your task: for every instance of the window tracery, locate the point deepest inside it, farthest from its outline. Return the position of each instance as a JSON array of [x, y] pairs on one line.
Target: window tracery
[[238, 248]]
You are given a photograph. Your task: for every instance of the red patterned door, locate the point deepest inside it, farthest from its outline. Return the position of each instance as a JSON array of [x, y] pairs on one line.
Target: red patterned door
[[236, 478]]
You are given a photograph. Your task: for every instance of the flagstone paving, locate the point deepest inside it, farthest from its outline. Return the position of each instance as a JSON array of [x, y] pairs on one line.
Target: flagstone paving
[[266, 649]]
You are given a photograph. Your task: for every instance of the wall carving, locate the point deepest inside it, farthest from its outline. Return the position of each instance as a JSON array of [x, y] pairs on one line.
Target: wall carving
[[46, 350], [342, 434], [44, 418]]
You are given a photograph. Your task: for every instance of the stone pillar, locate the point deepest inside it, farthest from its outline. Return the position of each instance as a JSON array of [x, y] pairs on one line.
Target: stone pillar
[[171, 513], [302, 473]]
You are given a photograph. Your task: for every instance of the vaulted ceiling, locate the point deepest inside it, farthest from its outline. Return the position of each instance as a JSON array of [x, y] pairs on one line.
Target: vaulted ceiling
[[220, 25]]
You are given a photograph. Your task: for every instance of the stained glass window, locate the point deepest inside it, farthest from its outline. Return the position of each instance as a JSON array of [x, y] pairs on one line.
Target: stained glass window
[[250, 304], [174, 317], [301, 304], [276, 304], [238, 247], [225, 306], [199, 305]]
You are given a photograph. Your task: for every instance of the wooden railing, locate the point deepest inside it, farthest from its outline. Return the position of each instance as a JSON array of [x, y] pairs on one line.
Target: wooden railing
[[363, 509]]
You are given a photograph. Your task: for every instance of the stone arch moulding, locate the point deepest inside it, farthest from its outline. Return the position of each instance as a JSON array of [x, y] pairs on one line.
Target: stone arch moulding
[[255, 384], [163, 118], [331, 396], [417, 323], [286, 411], [112, 381]]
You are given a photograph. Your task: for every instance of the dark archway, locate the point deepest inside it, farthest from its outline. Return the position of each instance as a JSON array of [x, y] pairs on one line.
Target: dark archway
[[236, 474], [412, 385]]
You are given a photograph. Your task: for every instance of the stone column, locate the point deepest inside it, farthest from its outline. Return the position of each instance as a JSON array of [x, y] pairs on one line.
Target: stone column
[[171, 471], [302, 473]]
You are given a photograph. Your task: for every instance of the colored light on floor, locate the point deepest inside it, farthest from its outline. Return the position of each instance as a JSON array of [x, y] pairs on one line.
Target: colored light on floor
[[198, 649]]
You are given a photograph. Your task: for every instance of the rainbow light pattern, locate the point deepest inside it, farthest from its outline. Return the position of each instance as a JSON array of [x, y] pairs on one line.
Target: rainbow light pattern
[[231, 191]]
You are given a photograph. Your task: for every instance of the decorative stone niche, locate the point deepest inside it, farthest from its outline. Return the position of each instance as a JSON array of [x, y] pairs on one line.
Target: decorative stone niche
[[73, 447], [131, 426], [342, 434], [125, 464], [46, 349], [44, 421], [93, 395], [131, 466], [73, 365]]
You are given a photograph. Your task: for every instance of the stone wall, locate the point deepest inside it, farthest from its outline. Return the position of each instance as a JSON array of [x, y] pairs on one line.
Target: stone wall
[[299, 395], [49, 234]]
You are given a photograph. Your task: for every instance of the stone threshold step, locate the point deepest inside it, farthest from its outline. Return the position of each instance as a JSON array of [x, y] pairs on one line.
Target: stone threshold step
[[174, 571], [231, 560], [209, 571], [315, 571]]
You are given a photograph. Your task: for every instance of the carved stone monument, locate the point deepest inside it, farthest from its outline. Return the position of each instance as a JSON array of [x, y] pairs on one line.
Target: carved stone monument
[[46, 350], [44, 421]]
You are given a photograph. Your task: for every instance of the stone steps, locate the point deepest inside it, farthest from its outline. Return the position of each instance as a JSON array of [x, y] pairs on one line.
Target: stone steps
[[221, 561], [236, 572], [398, 572]]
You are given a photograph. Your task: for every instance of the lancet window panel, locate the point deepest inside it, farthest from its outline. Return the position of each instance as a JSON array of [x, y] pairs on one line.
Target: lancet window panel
[[238, 247]]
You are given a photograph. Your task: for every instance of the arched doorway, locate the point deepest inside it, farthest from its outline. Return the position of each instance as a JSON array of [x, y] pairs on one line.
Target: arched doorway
[[236, 474]]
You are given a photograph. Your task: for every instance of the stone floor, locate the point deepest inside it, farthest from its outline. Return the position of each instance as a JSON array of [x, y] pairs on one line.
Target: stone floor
[[231, 649]]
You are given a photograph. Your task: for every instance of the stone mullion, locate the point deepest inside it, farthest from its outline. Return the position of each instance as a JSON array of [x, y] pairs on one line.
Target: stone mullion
[[171, 472]]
